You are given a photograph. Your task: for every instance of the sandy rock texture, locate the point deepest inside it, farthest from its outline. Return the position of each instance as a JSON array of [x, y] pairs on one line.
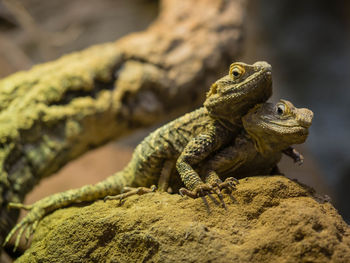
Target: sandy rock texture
[[268, 219]]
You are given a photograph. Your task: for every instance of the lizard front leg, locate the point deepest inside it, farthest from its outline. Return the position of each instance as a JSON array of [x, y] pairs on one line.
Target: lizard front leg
[[195, 152], [294, 154], [212, 178], [227, 159]]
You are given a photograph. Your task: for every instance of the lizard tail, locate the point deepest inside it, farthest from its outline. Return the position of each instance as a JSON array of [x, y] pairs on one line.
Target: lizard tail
[[112, 185]]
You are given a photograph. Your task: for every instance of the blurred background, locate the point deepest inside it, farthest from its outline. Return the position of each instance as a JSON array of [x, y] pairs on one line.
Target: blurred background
[[307, 43]]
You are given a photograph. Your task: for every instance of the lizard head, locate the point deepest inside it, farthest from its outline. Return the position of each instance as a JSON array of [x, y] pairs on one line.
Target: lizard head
[[230, 97], [276, 127]]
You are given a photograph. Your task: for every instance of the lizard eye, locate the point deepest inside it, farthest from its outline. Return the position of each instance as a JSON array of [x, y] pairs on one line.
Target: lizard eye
[[236, 71], [280, 109]]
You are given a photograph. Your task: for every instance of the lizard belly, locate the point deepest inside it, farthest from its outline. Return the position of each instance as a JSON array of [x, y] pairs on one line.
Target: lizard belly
[[259, 165]]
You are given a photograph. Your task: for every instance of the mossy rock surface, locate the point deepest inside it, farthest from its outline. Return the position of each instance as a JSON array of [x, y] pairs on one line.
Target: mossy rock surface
[[269, 219]]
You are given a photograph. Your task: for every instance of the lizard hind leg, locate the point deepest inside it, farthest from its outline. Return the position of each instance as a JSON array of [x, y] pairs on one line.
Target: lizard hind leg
[[41, 208], [129, 191], [164, 178], [163, 183]]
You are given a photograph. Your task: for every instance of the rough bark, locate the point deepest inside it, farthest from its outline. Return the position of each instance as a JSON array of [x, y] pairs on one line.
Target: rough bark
[[59, 110]]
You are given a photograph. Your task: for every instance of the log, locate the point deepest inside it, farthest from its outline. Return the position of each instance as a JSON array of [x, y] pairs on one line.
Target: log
[[59, 110]]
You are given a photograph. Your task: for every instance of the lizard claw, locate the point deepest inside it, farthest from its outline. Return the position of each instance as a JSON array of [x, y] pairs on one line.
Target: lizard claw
[[295, 155], [217, 191], [21, 227], [229, 184], [200, 191], [299, 160], [28, 224]]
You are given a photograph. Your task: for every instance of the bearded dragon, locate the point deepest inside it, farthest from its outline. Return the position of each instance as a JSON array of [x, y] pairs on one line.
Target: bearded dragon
[[182, 143], [268, 131]]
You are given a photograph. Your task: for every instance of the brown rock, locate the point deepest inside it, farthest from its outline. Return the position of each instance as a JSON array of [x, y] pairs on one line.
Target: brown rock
[[269, 219]]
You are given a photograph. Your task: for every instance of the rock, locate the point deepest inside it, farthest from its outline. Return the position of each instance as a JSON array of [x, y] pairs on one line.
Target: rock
[[268, 219]]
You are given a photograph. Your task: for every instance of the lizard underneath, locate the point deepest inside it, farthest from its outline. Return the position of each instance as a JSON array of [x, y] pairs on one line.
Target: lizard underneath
[[182, 143], [268, 131]]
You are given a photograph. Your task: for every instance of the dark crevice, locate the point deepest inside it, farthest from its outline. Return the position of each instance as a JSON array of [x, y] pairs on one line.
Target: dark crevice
[[11, 159], [13, 254], [153, 248], [103, 240], [26, 185], [73, 94], [98, 84], [18, 159], [145, 61]]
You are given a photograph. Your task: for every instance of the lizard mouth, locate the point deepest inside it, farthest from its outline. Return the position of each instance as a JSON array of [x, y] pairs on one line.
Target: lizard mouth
[[288, 122], [290, 128]]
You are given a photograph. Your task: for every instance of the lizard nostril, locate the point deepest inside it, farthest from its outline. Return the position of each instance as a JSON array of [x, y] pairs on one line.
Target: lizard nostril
[[305, 117]]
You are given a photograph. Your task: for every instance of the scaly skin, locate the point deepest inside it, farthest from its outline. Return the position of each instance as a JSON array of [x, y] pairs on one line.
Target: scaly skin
[[268, 131], [183, 143]]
